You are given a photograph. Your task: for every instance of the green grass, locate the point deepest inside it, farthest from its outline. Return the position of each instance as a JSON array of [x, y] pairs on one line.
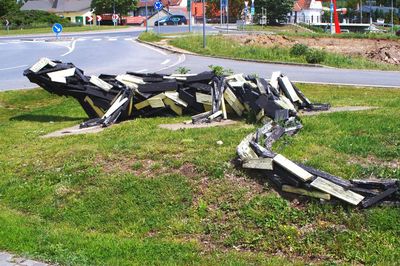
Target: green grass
[[65, 29], [221, 46], [150, 36], [139, 194]]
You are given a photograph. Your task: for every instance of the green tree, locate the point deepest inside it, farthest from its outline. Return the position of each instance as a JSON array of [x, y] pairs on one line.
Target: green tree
[[8, 6], [107, 6], [276, 10]]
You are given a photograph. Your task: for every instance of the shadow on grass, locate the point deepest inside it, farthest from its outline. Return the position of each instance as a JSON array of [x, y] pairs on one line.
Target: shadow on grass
[[45, 118]]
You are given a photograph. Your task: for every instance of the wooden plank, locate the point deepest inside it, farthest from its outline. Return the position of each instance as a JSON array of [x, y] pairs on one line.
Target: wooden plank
[[203, 98], [100, 83], [141, 105], [274, 79], [98, 110], [260, 115], [156, 102], [59, 76], [314, 194], [223, 107], [39, 65], [371, 201], [207, 107], [174, 107], [173, 95], [234, 102], [260, 163], [243, 149], [337, 180], [337, 191], [215, 115], [288, 89], [115, 106], [292, 168]]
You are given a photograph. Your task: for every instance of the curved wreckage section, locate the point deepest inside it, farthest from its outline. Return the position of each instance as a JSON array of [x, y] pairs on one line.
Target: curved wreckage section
[[208, 97]]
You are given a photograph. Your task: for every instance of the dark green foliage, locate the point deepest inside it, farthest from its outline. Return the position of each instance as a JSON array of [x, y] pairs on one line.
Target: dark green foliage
[[107, 6], [315, 56], [299, 49], [34, 19], [276, 10], [8, 6]]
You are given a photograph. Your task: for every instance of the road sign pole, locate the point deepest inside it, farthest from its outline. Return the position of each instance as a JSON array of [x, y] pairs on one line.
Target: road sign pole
[[204, 23], [158, 19], [190, 15], [220, 12], [227, 16], [147, 26]]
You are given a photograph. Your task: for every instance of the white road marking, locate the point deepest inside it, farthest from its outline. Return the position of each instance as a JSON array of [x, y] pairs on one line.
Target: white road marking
[[14, 42], [9, 68], [165, 62], [96, 40], [181, 59], [70, 48], [151, 48], [142, 70], [128, 39], [3, 43], [81, 39], [112, 39]]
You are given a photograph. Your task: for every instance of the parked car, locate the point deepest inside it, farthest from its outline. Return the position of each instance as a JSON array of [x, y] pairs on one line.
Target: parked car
[[171, 20]]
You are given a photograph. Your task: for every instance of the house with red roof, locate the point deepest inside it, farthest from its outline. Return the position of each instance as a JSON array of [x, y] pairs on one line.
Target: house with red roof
[[306, 11]]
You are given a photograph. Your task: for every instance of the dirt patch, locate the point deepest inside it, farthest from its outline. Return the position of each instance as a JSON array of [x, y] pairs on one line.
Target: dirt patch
[[338, 109], [373, 161], [385, 51], [178, 126]]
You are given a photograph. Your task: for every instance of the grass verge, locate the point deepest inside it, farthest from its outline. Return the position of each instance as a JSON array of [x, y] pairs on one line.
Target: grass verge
[[222, 46], [65, 29], [149, 36], [136, 193]]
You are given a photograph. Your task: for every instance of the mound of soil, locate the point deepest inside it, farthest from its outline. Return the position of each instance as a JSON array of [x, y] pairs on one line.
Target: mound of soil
[[385, 51]]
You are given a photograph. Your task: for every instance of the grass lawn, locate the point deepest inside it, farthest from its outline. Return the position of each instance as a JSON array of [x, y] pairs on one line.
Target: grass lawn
[[65, 29], [222, 46], [139, 194]]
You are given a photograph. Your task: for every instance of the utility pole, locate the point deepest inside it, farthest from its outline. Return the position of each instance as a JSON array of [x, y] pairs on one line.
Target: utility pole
[[189, 6], [331, 9], [220, 12], [361, 14], [204, 23]]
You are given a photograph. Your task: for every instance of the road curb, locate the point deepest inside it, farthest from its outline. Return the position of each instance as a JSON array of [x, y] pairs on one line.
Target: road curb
[[172, 50]]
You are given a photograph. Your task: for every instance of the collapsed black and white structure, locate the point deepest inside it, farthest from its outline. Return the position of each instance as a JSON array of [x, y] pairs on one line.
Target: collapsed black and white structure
[[209, 97]]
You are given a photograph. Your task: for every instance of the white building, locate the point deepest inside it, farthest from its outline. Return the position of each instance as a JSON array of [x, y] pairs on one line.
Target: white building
[[306, 11]]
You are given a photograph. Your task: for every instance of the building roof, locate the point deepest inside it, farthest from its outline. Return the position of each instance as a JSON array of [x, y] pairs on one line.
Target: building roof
[[57, 5], [165, 3], [306, 4], [135, 20]]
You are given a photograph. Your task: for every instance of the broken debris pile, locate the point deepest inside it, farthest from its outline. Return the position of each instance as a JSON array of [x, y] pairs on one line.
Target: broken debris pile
[[110, 98]]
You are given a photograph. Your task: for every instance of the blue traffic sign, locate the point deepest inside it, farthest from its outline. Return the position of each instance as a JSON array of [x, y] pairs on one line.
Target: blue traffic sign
[[158, 5], [57, 28]]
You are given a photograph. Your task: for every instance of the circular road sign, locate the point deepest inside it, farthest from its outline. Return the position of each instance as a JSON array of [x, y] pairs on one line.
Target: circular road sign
[[57, 28], [158, 5]]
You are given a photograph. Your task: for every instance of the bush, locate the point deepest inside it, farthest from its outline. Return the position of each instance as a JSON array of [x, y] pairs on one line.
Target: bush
[[299, 49], [315, 56], [34, 19]]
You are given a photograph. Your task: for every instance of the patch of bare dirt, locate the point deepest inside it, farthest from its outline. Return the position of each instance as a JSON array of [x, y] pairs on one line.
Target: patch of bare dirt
[[385, 51], [373, 161]]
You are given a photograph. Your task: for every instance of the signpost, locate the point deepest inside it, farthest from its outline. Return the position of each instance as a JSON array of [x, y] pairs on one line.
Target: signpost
[[252, 9], [158, 6], [90, 20], [189, 9], [115, 18], [99, 18], [57, 29], [145, 1]]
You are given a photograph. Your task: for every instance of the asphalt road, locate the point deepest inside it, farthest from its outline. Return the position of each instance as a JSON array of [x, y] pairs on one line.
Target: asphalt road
[[118, 52]]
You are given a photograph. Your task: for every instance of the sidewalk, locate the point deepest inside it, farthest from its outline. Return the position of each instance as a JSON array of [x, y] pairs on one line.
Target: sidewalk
[[8, 259]]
